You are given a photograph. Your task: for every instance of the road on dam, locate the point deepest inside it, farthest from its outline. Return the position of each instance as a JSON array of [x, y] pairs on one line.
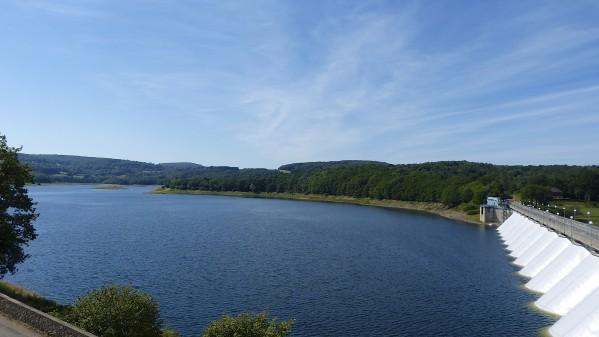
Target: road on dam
[[12, 328]]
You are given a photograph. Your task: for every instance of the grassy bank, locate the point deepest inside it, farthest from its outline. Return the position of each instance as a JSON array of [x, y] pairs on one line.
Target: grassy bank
[[435, 208], [110, 187], [585, 211], [34, 300]]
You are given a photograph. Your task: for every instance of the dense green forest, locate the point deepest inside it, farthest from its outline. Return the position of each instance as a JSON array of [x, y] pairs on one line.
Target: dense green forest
[[451, 182], [322, 165]]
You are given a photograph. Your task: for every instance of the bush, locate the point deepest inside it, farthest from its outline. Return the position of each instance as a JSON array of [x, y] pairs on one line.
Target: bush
[[248, 325], [117, 312], [167, 332], [468, 207]]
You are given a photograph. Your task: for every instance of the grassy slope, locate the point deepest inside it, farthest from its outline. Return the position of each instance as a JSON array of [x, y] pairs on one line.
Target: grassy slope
[[34, 300], [435, 208], [581, 209]]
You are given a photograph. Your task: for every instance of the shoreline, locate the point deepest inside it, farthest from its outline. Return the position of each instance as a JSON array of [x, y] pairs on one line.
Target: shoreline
[[428, 207]]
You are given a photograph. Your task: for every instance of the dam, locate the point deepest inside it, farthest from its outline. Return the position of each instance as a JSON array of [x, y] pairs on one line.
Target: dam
[[559, 256]]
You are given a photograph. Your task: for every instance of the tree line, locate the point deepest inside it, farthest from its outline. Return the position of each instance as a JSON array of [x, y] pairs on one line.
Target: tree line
[[450, 182]]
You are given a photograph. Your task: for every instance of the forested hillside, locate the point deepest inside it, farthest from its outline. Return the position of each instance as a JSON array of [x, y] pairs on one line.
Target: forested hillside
[[452, 183], [77, 169], [50, 168], [322, 165]]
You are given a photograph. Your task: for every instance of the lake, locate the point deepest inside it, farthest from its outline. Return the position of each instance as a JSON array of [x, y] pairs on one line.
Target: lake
[[338, 270]]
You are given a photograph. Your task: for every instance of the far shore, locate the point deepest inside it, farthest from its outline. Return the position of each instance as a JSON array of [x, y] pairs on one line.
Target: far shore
[[110, 187], [429, 207], [96, 185]]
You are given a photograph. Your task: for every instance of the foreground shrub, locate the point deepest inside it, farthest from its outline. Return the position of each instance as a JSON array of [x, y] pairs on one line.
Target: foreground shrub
[[248, 325], [117, 312], [17, 209], [168, 332]]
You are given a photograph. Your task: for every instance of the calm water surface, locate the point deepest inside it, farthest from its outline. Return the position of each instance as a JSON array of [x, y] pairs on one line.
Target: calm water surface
[[338, 270]]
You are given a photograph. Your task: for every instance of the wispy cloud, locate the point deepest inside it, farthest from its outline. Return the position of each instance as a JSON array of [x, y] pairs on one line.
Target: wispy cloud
[[373, 84], [296, 81], [64, 8]]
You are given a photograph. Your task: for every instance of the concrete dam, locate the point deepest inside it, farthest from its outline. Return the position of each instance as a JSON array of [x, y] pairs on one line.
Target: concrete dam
[[564, 270]]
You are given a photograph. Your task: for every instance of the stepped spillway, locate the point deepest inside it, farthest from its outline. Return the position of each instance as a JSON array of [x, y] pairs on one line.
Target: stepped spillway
[[582, 321], [545, 257], [531, 252], [561, 266], [573, 288], [511, 225], [567, 275], [529, 241], [524, 239], [519, 227]]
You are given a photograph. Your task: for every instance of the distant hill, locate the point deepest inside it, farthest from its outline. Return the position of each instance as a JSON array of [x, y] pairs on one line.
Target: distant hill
[[181, 165], [52, 168], [450, 182], [323, 165]]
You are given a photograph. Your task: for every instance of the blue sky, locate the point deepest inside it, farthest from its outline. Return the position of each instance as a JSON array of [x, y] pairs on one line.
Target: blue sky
[[264, 83]]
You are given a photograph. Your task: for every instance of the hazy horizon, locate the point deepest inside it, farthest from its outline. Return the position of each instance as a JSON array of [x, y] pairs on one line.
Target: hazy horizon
[[281, 164], [267, 83]]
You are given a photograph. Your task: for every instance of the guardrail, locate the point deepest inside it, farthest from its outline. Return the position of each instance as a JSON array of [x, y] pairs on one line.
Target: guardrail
[[584, 234]]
